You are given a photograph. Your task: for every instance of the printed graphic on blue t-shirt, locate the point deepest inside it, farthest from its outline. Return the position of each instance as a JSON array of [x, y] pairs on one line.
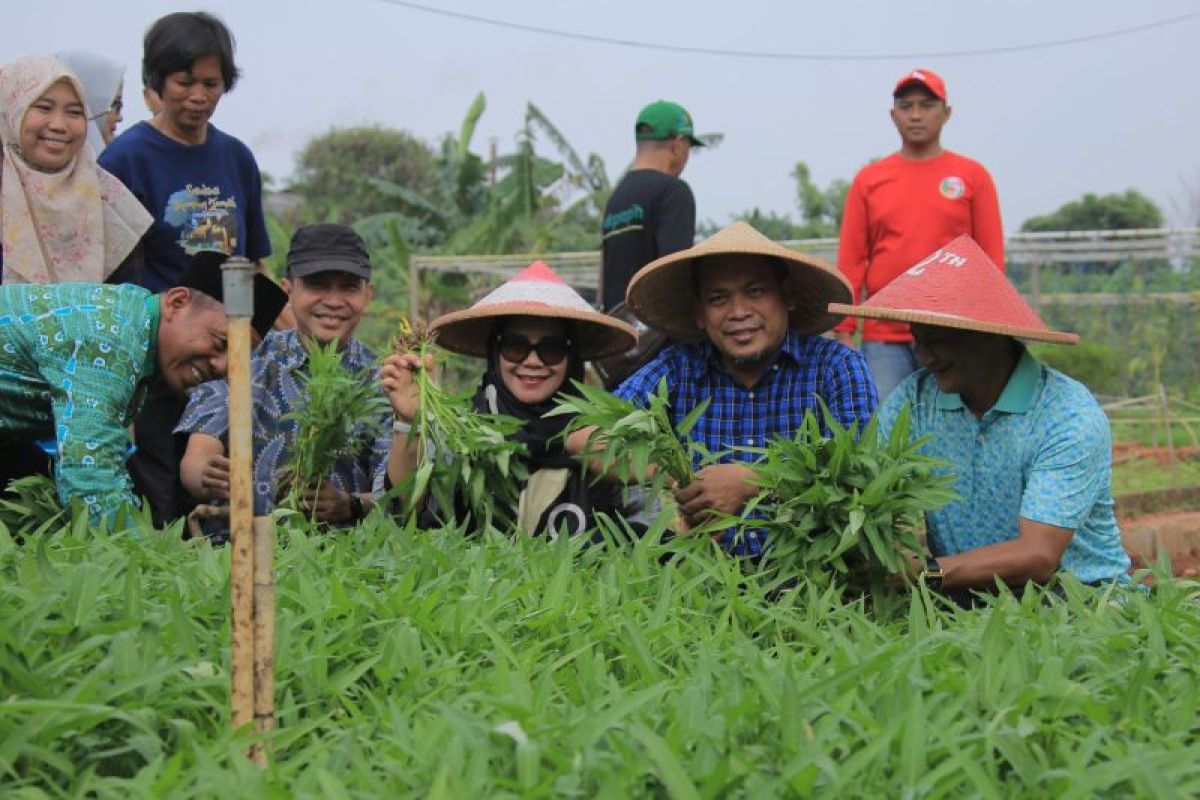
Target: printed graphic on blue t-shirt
[[205, 197], [206, 221]]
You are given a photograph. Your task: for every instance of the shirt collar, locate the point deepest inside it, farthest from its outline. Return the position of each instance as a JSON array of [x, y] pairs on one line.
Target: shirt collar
[[792, 347], [1017, 396], [293, 354]]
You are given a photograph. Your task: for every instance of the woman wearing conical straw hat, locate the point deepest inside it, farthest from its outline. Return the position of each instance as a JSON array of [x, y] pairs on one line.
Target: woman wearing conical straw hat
[[1031, 447], [535, 333]]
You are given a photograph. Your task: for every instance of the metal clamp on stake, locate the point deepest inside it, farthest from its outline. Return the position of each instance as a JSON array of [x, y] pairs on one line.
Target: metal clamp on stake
[[237, 286]]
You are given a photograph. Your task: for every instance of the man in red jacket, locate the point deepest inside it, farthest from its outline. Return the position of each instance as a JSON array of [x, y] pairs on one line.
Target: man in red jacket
[[903, 207]]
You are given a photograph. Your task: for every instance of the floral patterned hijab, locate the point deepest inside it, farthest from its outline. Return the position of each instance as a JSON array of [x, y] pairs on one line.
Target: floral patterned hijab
[[77, 224]]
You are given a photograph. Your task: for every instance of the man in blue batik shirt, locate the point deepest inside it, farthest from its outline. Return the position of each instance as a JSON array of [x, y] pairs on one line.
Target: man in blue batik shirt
[[1029, 447], [746, 315]]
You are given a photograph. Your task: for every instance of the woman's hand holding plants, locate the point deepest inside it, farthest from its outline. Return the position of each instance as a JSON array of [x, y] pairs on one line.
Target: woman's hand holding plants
[[398, 378]]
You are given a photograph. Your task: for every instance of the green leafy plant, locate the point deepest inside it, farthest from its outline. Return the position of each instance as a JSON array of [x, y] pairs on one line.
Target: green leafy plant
[[30, 505], [339, 415], [469, 462], [421, 662], [846, 505], [628, 438]]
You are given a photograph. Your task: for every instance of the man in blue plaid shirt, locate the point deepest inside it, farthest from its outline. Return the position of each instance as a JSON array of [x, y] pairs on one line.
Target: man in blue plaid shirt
[[746, 315]]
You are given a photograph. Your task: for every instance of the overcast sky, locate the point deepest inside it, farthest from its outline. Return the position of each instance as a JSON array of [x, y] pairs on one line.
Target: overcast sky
[[1049, 124]]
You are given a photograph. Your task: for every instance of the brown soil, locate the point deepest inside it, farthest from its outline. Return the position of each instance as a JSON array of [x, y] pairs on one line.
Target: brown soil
[[1133, 451], [1177, 533]]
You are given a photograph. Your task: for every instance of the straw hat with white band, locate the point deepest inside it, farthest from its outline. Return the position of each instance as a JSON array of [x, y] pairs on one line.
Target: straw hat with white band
[[958, 286], [662, 293], [536, 291]]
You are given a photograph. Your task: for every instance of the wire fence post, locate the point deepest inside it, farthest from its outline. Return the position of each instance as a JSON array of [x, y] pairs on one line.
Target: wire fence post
[[1165, 405]]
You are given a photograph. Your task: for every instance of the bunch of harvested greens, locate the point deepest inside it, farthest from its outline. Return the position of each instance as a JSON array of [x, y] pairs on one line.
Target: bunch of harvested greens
[[469, 461], [846, 504], [340, 414], [628, 439]]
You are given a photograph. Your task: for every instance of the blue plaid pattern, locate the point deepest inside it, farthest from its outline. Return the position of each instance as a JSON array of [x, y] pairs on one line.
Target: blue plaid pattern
[[807, 368]]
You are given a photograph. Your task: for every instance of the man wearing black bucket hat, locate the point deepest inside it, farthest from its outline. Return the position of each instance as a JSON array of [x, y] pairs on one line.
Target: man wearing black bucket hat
[[75, 361], [329, 284]]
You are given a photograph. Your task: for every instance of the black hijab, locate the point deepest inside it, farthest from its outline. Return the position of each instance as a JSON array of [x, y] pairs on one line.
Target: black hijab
[[541, 435]]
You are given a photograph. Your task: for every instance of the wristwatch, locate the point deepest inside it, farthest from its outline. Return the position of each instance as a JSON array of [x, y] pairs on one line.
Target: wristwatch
[[400, 426], [933, 573]]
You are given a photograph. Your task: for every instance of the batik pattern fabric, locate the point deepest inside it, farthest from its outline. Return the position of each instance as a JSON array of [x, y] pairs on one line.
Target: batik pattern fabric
[[277, 377], [74, 359], [808, 371], [1043, 452], [207, 410]]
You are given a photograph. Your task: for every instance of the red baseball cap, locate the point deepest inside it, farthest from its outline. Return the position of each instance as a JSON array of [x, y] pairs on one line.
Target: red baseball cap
[[924, 77]]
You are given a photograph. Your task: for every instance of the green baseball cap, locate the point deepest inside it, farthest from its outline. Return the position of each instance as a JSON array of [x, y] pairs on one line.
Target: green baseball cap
[[663, 119]]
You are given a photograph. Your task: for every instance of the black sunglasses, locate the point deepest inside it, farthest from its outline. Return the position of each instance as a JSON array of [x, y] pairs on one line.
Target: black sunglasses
[[550, 350]]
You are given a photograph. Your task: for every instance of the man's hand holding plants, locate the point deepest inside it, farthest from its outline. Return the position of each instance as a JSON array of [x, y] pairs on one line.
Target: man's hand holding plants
[[717, 488]]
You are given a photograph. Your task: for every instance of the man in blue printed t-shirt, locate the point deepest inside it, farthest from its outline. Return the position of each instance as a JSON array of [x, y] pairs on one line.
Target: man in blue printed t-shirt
[[1030, 447], [202, 186], [746, 313], [204, 191]]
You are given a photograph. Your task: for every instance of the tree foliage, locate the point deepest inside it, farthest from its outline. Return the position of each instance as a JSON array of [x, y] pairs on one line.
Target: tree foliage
[[335, 171], [1094, 212], [820, 209]]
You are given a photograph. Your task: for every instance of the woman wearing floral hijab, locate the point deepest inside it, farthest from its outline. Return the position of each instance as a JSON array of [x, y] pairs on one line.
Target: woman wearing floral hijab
[[62, 218]]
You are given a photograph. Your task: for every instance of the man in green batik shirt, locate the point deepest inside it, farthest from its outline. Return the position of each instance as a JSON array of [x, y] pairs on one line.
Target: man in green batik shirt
[[74, 359]]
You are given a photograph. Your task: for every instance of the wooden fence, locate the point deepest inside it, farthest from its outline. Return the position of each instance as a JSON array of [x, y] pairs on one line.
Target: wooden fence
[[1035, 252]]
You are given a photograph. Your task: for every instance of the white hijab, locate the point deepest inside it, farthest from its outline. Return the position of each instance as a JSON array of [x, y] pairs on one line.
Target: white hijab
[[76, 224], [101, 77]]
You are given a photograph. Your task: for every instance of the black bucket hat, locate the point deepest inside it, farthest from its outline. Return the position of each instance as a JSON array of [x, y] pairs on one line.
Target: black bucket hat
[[203, 274]]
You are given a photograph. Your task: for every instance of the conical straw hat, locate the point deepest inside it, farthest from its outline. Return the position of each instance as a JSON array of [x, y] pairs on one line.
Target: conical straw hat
[[536, 291], [662, 293], [958, 286]]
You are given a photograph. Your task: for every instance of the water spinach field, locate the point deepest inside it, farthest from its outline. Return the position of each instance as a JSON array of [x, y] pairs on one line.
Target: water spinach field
[[433, 664]]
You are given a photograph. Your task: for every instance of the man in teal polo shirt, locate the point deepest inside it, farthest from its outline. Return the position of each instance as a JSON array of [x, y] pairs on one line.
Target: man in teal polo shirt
[[1030, 448]]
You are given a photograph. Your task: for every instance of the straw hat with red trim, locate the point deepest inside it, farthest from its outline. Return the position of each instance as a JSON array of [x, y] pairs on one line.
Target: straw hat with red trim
[[661, 292], [958, 286], [536, 291]]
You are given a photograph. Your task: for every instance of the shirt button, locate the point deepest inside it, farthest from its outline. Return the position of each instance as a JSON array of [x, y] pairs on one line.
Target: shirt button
[[751, 395], [750, 442]]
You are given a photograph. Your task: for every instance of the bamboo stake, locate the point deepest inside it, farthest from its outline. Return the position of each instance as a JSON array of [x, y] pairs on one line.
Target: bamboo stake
[[264, 632], [237, 276]]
